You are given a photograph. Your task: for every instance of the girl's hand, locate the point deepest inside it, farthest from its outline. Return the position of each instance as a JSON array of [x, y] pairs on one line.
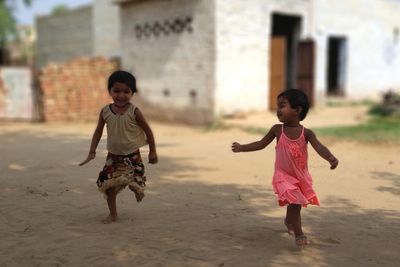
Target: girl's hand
[[153, 157], [91, 156], [236, 147], [334, 162]]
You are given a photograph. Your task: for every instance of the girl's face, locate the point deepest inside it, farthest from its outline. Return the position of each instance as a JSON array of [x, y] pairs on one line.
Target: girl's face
[[286, 113], [121, 94]]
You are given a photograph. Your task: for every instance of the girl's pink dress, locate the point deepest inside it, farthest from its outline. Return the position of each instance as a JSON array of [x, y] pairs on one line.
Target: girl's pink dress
[[292, 182]]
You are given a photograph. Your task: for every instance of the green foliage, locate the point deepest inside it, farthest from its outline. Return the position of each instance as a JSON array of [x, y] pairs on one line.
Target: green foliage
[[59, 9], [349, 103], [380, 111], [216, 126], [7, 20], [390, 106], [377, 130]]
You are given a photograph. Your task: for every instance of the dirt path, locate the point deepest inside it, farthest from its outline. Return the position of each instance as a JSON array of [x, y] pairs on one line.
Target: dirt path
[[204, 205]]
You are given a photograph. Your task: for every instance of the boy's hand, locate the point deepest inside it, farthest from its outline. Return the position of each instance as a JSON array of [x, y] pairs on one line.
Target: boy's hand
[[334, 162], [91, 156], [236, 147], [153, 157]]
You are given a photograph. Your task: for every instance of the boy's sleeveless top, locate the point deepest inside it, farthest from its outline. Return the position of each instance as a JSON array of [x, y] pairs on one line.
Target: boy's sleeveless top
[[292, 182], [124, 135]]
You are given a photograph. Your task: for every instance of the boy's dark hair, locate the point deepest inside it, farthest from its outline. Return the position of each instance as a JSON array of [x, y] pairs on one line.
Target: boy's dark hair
[[297, 98], [122, 77]]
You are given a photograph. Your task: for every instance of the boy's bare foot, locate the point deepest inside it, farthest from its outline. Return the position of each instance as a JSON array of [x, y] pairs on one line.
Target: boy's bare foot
[[139, 196], [289, 227], [109, 219], [138, 193], [302, 240]]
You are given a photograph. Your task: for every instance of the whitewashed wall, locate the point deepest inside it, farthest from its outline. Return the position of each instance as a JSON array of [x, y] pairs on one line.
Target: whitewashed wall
[[243, 34], [16, 98], [373, 54], [242, 48], [176, 62]]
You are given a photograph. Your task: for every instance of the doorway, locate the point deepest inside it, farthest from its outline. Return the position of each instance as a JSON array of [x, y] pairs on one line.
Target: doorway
[[283, 54], [337, 59]]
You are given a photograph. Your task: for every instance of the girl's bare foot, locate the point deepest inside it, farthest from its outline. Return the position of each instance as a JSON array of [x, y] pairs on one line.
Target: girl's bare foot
[[109, 219], [302, 240], [289, 227]]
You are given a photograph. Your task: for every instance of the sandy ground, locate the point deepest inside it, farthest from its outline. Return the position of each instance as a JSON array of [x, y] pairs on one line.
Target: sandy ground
[[320, 116], [204, 206]]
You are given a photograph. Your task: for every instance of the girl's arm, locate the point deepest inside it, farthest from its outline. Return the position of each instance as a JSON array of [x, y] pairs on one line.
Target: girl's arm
[[258, 145], [95, 140], [322, 150], [149, 134]]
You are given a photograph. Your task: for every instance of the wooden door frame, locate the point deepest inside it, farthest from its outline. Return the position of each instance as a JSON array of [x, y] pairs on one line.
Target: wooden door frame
[[277, 69]]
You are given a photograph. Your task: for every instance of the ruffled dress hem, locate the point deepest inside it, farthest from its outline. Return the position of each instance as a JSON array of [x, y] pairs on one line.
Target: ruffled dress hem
[[312, 201]]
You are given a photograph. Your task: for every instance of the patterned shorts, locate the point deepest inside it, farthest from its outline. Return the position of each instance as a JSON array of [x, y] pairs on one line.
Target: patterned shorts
[[120, 171]]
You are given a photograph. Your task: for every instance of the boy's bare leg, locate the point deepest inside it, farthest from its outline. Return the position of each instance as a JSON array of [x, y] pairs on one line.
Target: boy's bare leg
[[112, 206], [294, 219]]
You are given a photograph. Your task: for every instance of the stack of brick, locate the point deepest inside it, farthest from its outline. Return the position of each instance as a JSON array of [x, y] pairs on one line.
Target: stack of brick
[[75, 90]]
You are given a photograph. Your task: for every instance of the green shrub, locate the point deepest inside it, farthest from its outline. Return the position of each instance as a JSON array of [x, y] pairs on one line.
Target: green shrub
[[390, 106]]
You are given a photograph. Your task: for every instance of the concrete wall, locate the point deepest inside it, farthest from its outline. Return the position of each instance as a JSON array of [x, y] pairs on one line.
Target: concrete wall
[[64, 36], [169, 46], [106, 28]]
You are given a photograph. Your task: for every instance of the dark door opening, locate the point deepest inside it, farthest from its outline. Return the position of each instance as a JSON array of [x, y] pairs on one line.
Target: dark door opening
[[288, 27], [283, 50], [337, 57]]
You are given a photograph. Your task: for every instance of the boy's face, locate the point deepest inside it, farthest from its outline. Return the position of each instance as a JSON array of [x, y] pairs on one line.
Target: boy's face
[[121, 94]]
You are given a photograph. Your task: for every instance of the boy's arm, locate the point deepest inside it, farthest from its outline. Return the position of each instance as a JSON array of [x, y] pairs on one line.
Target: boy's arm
[[258, 145], [149, 134], [322, 150], [95, 140]]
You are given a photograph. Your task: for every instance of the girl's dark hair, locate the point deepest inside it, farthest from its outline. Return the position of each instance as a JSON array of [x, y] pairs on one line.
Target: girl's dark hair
[[122, 77], [297, 98]]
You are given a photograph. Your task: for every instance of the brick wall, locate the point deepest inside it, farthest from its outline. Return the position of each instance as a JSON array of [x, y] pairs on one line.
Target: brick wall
[[75, 90]]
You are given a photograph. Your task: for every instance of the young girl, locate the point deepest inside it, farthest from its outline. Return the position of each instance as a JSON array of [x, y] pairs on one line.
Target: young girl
[[127, 131], [292, 182]]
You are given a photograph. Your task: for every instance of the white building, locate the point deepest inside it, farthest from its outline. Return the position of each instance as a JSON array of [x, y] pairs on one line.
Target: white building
[[197, 59]]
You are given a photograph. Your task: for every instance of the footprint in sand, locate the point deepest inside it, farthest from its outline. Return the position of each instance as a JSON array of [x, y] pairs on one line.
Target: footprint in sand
[[326, 242]]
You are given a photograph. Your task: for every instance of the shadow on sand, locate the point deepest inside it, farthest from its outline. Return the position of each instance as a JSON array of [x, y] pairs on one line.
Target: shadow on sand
[[202, 224]]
